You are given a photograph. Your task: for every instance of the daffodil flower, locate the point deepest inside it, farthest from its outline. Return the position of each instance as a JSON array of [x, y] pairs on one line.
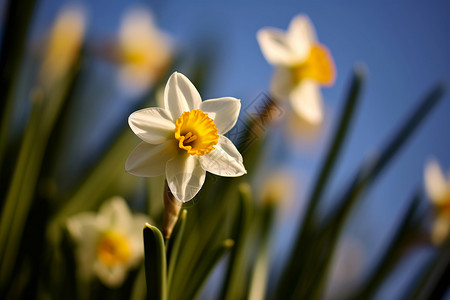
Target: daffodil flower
[[438, 189], [108, 243], [185, 139], [302, 66], [144, 51], [64, 43]]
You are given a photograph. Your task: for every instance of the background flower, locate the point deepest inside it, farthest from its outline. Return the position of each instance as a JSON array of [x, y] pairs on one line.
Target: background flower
[[144, 51], [108, 243], [302, 66], [437, 186]]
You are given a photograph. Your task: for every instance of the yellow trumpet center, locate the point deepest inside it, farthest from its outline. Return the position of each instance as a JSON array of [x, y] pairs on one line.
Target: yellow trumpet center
[[113, 248], [196, 132], [444, 207], [318, 66]]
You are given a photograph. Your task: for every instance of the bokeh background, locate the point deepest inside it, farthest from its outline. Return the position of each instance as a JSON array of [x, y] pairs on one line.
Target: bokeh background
[[404, 46]]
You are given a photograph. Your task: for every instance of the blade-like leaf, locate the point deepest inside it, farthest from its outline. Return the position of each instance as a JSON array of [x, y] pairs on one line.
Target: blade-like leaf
[[259, 280], [393, 251], [174, 247], [295, 264], [205, 267], [155, 263], [234, 282], [432, 275], [367, 174]]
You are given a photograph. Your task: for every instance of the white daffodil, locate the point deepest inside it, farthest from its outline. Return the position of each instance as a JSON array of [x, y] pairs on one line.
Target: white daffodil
[[185, 139], [108, 243], [437, 186], [64, 43], [144, 51], [302, 66]]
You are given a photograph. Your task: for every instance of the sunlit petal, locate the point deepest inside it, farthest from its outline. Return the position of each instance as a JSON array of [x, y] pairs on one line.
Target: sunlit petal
[[180, 95], [185, 176], [306, 100], [225, 160], [276, 47], [149, 160], [301, 36], [281, 85], [224, 111], [435, 184], [152, 125], [116, 212]]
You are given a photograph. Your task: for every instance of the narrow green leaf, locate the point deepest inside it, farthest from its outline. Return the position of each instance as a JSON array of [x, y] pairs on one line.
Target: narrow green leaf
[[139, 288], [205, 267], [198, 246], [433, 273], [367, 174], [234, 284], [259, 281], [174, 247], [392, 253], [155, 263], [46, 108], [295, 266], [17, 17]]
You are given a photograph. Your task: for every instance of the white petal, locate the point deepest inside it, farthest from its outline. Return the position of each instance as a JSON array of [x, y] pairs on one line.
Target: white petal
[[441, 229], [301, 36], [135, 238], [180, 95], [152, 125], [306, 100], [225, 160], [184, 176], [435, 184], [112, 277], [224, 111], [147, 160], [275, 47], [84, 230], [116, 213], [281, 85]]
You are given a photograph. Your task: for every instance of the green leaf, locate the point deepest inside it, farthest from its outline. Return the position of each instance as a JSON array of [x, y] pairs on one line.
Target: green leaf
[[46, 108], [393, 252], [430, 278], [368, 172], [295, 267], [155, 263], [259, 280], [235, 283], [174, 247], [17, 17], [204, 268]]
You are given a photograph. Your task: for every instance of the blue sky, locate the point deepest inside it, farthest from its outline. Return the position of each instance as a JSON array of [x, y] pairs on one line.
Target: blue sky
[[405, 46]]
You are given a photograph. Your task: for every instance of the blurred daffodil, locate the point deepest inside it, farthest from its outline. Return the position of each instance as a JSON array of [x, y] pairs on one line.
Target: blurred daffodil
[[302, 66], [144, 51], [108, 243], [64, 43], [279, 188], [185, 139], [437, 186]]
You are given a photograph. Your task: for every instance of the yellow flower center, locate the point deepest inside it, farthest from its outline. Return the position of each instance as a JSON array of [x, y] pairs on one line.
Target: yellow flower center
[[113, 249], [196, 132], [318, 66], [134, 56], [444, 207]]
